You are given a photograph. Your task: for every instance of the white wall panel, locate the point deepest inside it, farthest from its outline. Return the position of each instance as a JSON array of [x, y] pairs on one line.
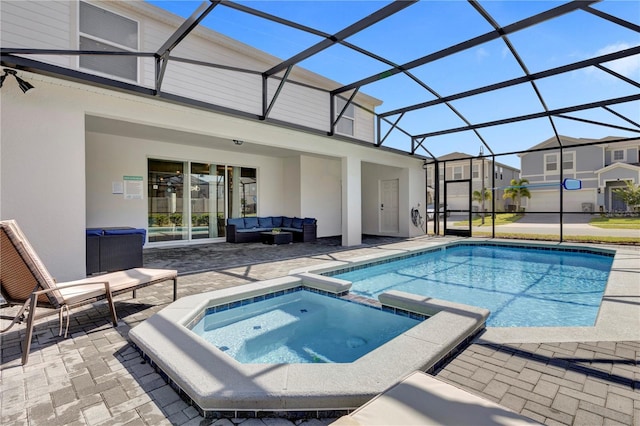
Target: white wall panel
[[300, 105], [39, 25], [240, 91], [364, 125]]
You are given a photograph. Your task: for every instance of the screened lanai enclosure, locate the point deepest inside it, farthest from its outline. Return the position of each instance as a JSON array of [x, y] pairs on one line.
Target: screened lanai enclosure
[[522, 111]]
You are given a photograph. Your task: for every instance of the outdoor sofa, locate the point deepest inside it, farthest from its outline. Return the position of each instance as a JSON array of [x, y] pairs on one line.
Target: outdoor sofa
[[248, 229]]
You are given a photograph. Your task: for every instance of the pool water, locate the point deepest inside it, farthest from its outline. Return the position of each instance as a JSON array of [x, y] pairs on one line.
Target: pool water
[[301, 327], [521, 287]]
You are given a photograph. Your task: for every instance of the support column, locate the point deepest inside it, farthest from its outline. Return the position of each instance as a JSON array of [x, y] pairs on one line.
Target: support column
[[351, 201]]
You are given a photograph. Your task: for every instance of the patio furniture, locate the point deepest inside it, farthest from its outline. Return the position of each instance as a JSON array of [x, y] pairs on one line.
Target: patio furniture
[[24, 280], [275, 238], [248, 229], [114, 249], [421, 399]]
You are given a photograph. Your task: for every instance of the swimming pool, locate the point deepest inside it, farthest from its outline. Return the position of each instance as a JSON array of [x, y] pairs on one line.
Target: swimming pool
[[300, 327], [537, 286]]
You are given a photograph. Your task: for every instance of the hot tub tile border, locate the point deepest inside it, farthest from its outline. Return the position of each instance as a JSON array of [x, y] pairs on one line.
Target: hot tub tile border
[[230, 414], [346, 296]]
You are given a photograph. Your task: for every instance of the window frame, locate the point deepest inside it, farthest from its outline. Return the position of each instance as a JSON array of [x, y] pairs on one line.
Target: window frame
[[455, 172], [573, 161], [546, 164], [613, 155], [113, 44], [346, 116]]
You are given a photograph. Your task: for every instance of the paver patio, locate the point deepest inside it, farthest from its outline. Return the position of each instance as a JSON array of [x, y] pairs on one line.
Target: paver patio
[[96, 377]]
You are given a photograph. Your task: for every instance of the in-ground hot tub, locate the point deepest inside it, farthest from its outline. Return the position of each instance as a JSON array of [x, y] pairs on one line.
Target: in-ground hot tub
[[300, 326], [220, 386]]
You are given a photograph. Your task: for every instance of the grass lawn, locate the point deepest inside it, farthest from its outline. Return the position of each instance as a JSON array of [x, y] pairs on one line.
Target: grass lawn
[[501, 219], [566, 238], [616, 222]]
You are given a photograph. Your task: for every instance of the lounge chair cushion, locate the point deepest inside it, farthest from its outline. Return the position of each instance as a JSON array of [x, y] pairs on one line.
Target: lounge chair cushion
[[24, 267], [119, 282], [421, 399]]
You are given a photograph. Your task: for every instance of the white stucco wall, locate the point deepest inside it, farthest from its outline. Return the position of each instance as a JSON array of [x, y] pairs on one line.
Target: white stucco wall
[[411, 194], [321, 193], [43, 177]]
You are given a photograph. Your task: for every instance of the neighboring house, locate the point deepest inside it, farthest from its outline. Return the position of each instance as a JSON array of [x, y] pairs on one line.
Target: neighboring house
[[599, 165], [457, 166], [96, 145]]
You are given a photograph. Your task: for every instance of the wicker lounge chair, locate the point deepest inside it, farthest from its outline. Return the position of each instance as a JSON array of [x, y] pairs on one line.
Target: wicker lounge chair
[[25, 281]]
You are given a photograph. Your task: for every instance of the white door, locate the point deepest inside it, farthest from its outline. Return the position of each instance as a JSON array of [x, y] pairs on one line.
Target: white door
[[389, 216]]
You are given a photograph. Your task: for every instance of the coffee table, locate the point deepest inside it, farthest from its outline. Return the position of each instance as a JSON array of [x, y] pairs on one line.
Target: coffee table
[[274, 238]]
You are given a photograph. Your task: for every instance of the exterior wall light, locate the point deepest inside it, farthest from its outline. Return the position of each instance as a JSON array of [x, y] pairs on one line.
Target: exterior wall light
[[24, 85]]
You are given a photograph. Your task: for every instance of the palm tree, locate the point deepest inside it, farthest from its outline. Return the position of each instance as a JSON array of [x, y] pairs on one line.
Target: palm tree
[[630, 194], [478, 196], [516, 191]]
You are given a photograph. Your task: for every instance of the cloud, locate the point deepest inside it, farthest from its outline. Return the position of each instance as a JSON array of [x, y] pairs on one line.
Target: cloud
[[482, 53], [629, 66]]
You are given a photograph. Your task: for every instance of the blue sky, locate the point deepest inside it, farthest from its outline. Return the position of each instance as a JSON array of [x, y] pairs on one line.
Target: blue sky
[[430, 26]]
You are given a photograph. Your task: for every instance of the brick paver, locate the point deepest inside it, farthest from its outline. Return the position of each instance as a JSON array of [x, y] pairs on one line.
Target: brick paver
[[588, 390], [96, 377]]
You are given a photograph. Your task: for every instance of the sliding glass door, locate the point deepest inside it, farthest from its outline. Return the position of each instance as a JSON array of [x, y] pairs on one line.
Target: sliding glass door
[[166, 201], [215, 193]]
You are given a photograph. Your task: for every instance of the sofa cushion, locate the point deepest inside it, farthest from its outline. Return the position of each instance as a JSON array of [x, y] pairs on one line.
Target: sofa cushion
[[296, 222], [286, 222], [238, 222], [309, 221], [250, 222], [265, 222], [277, 221]]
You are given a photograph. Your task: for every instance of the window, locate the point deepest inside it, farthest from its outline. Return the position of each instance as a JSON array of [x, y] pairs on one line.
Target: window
[[102, 30], [551, 162], [457, 172], [618, 155], [476, 172], [568, 162], [346, 123]]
